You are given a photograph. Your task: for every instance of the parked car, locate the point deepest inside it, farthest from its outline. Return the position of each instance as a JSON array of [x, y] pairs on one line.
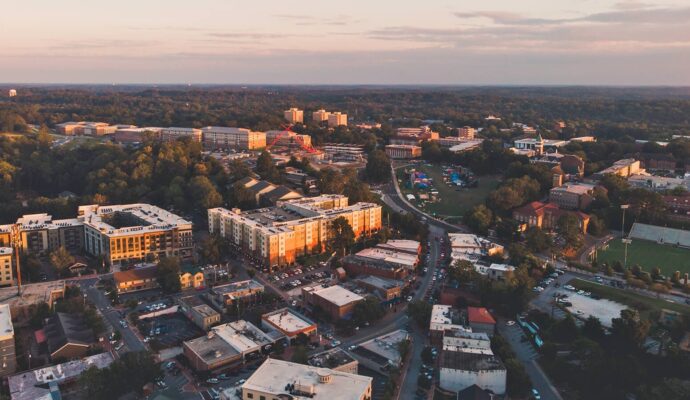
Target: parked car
[[212, 381]]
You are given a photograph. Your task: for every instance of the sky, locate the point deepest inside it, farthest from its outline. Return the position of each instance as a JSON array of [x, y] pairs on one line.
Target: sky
[[454, 42]]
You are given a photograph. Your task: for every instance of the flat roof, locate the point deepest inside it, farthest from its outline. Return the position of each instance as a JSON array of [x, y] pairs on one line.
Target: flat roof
[[233, 288], [380, 283], [332, 358], [337, 295], [444, 318], [153, 219], [34, 385], [5, 251], [6, 327], [406, 245], [287, 320], [391, 256], [273, 376], [470, 361], [386, 345]]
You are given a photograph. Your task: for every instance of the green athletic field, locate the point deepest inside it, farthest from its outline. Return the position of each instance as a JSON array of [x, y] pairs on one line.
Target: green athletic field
[[648, 255]]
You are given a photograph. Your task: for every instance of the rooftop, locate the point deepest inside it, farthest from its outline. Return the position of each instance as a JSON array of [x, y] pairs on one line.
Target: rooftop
[[5, 251], [287, 320], [335, 294], [34, 385], [386, 346], [466, 361], [298, 381], [405, 245], [381, 283], [135, 274], [445, 317], [332, 358], [6, 327], [391, 256], [142, 217], [238, 289], [479, 315]]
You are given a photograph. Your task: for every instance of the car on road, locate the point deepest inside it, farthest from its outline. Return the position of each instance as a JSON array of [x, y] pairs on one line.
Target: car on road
[[409, 298], [352, 347], [535, 394], [510, 323], [224, 377], [241, 381], [569, 287], [212, 381]]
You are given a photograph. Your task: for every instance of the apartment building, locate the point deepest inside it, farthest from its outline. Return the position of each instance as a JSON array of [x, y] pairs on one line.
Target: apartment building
[[277, 379], [462, 368], [336, 359], [403, 152], [41, 234], [413, 136], [344, 152], [277, 235], [335, 300], [6, 273], [129, 233], [220, 137], [174, 133], [236, 293], [320, 115], [294, 115], [134, 280], [467, 132], [337, 119], [7, 352]]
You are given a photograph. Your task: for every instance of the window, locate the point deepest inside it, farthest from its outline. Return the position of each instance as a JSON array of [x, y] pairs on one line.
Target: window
[[262, 397], [250, 395]]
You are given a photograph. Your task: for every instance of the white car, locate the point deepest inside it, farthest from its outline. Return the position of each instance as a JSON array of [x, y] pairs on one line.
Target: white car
[[510, 323]]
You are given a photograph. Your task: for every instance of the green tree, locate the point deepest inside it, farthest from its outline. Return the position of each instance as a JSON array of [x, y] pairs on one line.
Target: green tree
[[568, 226], [378, 167], [593, 329], [266, 168], [479, 219], [204, 194], [367, 310], [300, 355], [168, 274], [342, 237], [518, 383], [60, 258], [537, 240], [420, 312]]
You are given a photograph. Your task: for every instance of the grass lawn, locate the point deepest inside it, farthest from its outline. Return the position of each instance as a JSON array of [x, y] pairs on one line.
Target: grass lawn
[[645, 305], [452, 203], [648, 255]]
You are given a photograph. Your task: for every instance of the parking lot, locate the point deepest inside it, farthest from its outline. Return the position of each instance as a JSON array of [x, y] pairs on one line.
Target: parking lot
[[584, 306], [169, 330], [291, 279]]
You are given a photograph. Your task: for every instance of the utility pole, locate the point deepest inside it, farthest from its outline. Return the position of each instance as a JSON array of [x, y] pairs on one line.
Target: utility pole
[[16, 239], [625, 240]]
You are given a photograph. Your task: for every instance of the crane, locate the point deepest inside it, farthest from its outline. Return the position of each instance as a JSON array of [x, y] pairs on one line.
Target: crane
[[286, 130]]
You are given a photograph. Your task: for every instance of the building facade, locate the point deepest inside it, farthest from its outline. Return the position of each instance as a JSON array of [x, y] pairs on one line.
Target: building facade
[[220, 137], [174, 133], [7, 351], [294, 115], [6, 273], [278, 235], [337, 119], [335, 300], [403, 152], [546, 215], [320, 115], [467, 132]]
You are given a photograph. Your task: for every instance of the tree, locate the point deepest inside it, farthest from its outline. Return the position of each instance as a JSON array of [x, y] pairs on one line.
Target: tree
[[628, 332], [342, 235], [593, 329], [266, 168], [463, 271], [368, 310], [127, 374], [420, 312], [596, 226], [427, 355], [378, 167], [330, 181], [537, 240], [568, 226], [60, 258], [300, 355], [168, 274], [479, 219], [518, 383], [204, 194]]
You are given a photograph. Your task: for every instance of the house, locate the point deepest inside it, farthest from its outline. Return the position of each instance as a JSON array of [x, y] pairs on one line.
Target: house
[[135, 280], [68, 336], [199, 312], [192, 278], [335, 300]]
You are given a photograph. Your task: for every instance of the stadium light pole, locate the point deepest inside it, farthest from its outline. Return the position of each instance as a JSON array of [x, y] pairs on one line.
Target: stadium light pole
[[625, 240]]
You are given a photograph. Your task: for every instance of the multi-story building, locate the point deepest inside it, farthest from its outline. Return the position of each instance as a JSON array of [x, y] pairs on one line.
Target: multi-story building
[[466, 132], [7, 352], [226, 344], [277, 379], [134, 134], [86, 128], [658, 183], [294, 115], [382, 352], [199, 312], [287, 138], [288, 323], [413, 136], [470, 247], [6, 274], [277, 235], [335, 300], [460, 369], [403, 151], [134, 280], [320, 115], [236, 294], [173, 133], [344, 152], [624, 168], [41, 234], [12, 92], [220, 137], [392, 258], [337, 119], [386, 289], [481, 320], [135, 232], [444, 318], [678, 207], [402, 245], [576, 196], [546, 215]]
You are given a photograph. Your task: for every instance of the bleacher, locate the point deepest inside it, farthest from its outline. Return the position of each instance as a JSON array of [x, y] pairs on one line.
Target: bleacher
[[660, 234]]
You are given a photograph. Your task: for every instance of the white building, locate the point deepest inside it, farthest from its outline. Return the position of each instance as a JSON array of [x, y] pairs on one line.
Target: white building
[[470, 247], [462, 340], [277, 379], [13, 92], [459, 370], [215, 137]]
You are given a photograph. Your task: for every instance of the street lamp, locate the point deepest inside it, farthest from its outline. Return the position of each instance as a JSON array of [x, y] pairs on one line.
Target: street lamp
[[625, 240]]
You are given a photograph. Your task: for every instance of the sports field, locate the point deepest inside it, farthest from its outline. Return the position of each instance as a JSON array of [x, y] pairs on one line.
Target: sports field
[[648, 255]]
